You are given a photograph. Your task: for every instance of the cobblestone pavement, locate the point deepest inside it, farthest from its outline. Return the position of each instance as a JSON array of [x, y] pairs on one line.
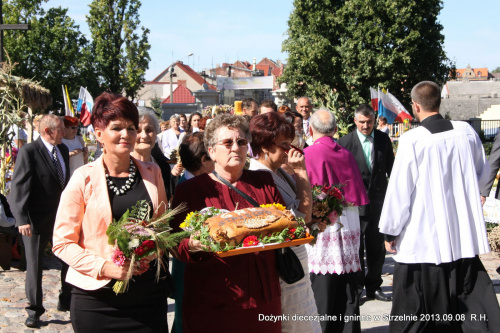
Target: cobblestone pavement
[[13, 299]]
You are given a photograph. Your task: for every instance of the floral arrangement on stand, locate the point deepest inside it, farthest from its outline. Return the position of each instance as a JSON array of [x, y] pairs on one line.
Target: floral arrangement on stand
[[328, 204], [195, 224], [212, 111], [136, 236]]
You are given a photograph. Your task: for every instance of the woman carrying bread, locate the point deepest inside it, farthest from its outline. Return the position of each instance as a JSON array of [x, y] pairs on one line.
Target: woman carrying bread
[[231, 294], [96, 194], [272, 135]]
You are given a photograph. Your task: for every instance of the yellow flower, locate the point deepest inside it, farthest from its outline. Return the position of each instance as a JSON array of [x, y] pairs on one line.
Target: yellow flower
[[274, 205], [184, 225], [188, 217]]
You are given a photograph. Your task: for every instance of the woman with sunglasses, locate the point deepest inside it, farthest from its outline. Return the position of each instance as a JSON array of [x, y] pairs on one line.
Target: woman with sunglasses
[[232, 291], [272, 135], [78, 153]]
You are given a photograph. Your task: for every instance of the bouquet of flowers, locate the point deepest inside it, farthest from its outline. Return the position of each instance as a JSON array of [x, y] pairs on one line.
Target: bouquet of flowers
[[136, 236], [195, 224], [328, 204]]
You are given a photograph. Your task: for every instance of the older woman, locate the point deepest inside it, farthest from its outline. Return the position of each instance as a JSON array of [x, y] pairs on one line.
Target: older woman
[[96, 194], [78, 153], [271, 138], [170, 138], [146, 149], [230, 293]]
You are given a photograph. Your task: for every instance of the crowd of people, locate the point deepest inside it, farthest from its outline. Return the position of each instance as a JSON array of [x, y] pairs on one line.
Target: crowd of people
[[424, 206]]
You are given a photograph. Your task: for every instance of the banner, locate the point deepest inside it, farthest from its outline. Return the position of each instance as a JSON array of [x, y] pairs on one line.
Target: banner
[[239, 83]]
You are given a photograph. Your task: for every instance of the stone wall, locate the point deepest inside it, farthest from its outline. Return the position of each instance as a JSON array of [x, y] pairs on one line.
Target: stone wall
[[465, 108], [177, 108]]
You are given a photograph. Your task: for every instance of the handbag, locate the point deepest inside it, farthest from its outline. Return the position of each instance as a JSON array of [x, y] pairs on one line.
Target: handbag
[[289, 267]]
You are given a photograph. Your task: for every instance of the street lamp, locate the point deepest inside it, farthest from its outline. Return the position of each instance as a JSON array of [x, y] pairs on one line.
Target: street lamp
[[172, 74]]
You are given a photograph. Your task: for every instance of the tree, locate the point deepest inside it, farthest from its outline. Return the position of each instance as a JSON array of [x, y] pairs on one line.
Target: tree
[[344, 47], [496, 70], [156, 104], [53, 52], [122, 56]]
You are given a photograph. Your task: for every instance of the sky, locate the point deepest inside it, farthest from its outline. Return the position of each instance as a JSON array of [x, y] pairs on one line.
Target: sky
[[218, 31]]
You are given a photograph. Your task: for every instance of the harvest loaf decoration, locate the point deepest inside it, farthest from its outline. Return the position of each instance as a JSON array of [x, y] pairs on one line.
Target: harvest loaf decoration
[[222, 231], [232, 227]]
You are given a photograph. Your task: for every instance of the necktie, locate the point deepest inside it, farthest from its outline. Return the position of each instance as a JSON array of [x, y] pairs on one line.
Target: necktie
[[372, 151], [55, 160]]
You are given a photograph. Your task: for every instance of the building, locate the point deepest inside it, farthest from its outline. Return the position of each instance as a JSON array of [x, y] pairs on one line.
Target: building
[[467, 99], [472, 74], [159, 87]]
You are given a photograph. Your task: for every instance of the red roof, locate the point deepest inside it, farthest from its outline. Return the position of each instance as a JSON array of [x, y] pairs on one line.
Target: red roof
[[189, 71], [181, 95]]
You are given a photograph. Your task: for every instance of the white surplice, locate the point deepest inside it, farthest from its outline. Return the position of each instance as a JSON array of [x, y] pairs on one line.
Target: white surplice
[[433, 203]]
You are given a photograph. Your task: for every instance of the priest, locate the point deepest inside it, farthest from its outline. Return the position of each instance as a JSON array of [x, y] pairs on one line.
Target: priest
[[433, 222], [334, 259]]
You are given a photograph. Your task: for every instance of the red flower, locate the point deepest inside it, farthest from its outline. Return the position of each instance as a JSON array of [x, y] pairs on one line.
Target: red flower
[[148, 245], [140, 251], [337, 194], [250, 241]]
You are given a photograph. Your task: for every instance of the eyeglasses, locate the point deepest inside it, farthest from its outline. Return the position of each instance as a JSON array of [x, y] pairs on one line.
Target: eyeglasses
[[72, 127], [229, 142]]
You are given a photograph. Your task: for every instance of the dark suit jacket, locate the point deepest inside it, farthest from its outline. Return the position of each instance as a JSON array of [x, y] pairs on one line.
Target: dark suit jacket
[[162, 162], [494, 161], [35, 189], [375, 181]]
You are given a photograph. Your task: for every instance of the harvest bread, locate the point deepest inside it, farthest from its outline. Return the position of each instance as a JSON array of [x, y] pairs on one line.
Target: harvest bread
[[233, 227]]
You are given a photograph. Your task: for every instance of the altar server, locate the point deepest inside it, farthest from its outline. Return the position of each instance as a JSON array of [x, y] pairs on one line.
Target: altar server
[[434, 224]]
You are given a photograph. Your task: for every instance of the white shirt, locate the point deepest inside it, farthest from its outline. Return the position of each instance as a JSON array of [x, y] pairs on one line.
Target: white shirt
[[169, 142], [59, 155], [433, 203]]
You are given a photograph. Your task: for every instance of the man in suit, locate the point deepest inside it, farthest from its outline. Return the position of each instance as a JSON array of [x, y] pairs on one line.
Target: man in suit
[[494, 161], [304, 107], [373, 152], [40, 175]]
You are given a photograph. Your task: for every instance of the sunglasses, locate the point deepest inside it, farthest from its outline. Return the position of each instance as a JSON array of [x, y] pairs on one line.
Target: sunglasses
[[229, 142], [287, 149]]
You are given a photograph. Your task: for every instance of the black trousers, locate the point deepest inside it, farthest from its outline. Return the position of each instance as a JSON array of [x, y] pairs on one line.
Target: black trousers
[[34, 247], [452, 297], [370, 276], [336, 295]]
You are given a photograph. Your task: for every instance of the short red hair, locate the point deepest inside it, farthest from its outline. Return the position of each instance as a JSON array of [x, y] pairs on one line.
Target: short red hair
[[110, 106], [266, 128]]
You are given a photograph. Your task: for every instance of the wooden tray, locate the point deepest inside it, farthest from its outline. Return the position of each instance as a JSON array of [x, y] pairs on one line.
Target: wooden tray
[[265, 247]]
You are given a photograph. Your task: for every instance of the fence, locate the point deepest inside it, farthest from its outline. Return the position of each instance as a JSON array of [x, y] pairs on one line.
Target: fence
[[489, 128], [397, 129]]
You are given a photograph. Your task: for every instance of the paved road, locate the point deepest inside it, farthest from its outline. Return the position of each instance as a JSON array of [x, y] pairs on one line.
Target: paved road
[[13, 299]]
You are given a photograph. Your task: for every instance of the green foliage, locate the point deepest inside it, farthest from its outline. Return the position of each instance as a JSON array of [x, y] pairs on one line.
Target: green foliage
[[120, 47], [156, 104], [344, 47], [496, 70], [53, 52], [344, 117], [487, 147]]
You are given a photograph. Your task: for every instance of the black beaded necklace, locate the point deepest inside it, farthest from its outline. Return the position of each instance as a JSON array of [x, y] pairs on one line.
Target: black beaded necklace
[[128, 184]]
